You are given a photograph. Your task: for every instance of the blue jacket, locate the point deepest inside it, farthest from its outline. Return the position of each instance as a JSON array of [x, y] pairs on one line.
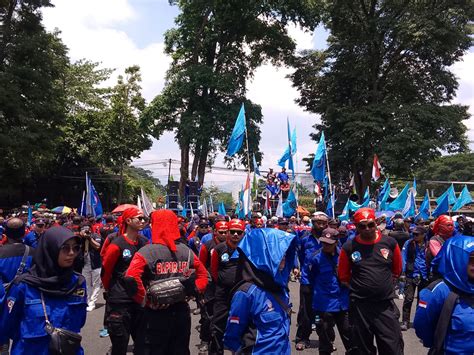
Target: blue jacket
[[258, 310], [453, 261], [419, 264], [328, 294], [306, 248], [31, 239], [10, 259], [22, 317], [257, 323]]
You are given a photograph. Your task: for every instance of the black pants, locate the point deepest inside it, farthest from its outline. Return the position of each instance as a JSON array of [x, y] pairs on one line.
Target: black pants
[[326, 332], [305, 316], [411, 286], [205, 321], [379, 319], [165, 332], [219, 320], [123, 321]]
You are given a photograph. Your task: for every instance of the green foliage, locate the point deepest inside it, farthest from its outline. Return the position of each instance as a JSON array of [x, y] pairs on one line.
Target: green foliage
[[457, 167], [217, 196], [216, 47], [383, 85]]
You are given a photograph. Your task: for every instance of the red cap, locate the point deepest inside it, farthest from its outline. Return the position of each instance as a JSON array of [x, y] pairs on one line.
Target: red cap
[[237, 224], [221, 226], [364, 214]]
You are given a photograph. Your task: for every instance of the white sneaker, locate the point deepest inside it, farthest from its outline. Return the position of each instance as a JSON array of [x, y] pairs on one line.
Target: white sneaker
[[400, 296], [90, 308]]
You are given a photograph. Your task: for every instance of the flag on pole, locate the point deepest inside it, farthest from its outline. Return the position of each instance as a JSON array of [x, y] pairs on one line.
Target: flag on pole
[[463, 199], [222, 211], [414, 187], [83, 205], [246, 197], [279, 210], [290, 205], [366, 198], [330, 206], [344, 216], [318, 169], [409, 208], [204, 210], [184, 212], [30, 213], [451, 196], [385, 187], [147, 206], [238, 133], [93, 204], [399, 203], [255, 166], [425, 208], [139, 202], [442, 207], [376, 168]]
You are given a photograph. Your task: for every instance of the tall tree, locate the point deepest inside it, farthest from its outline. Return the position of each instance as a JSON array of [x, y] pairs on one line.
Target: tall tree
[[216, 47], [384, 85], [124, 134], [32, 103]]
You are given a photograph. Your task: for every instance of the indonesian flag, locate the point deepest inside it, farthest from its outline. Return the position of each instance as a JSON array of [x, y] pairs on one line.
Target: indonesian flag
[[247, 202], [376, 168]]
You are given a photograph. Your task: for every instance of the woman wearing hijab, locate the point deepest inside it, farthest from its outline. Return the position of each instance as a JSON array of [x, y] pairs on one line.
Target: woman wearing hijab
[[444, 318], [259, 316], [50, 292]]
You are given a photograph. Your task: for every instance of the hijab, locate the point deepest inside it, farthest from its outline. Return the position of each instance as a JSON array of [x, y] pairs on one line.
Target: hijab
[[46, 274]]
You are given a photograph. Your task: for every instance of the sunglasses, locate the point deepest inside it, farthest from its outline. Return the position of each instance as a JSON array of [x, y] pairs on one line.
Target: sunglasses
[[203, 226], [40, 225], [238, 232], [141, 219], [222, 232], [367, 225], [66, 248]]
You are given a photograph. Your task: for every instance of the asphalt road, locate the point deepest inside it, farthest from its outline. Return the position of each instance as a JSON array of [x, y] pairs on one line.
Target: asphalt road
[[95, 345]]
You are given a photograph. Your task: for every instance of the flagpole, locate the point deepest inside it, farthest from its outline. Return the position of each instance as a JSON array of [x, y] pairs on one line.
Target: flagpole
[[294, 181], [330, 183], [248, 165]]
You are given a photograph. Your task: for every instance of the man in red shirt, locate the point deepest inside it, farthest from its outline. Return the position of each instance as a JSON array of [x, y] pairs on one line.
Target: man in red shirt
[[123, 315], [367, 265]]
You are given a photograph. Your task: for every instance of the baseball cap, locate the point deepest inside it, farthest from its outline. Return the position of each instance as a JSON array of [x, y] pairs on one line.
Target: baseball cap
[[419, 230], [329, 236]]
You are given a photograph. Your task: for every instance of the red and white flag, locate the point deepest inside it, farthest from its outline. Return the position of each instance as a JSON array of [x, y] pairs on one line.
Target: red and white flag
[[376, 168]]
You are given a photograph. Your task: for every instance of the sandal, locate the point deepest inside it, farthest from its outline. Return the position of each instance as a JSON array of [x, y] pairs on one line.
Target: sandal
[[301, 346]]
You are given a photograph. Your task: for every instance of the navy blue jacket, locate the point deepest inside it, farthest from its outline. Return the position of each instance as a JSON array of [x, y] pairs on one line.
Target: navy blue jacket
[[31, 239], [419, 262], [328, 294], [22, 317], [306, 248], [453, 260]]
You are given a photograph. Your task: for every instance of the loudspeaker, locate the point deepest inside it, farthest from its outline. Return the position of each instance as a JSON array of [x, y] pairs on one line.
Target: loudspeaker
[[173, 201], [173, 187], [193, 188]]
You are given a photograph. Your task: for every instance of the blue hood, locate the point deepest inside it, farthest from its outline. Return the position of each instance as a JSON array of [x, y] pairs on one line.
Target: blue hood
[[454, 260], [265, 249]]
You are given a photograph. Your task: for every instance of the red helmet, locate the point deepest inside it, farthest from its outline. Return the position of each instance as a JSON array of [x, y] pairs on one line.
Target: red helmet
[[237, 224]]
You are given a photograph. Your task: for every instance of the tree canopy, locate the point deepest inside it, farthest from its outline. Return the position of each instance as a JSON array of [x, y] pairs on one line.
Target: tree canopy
[[384, 83], [215, 48]]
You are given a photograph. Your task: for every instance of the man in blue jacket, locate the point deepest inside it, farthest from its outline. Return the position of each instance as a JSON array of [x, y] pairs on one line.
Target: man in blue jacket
[[259, 316], [414, 271], [449, 301], [307, 247], [32, 238], [330, 298]]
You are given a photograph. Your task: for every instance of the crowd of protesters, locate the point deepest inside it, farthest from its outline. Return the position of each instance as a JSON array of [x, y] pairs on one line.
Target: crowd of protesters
[[150, 268]]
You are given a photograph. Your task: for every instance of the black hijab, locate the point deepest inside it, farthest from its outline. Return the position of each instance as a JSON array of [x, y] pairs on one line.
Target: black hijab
[[45, 274]]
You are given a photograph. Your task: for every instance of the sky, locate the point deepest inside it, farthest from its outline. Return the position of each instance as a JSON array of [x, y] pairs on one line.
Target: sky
[[121, 33]]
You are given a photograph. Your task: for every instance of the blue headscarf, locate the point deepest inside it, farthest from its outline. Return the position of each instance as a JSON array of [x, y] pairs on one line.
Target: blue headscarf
[[265, 248], [453, 262]]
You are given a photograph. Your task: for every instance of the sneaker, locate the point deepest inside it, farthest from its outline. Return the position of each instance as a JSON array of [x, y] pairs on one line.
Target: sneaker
[[196, 311], [90, 308], [404, 327], [204, 346], [302, 345], [103, 333], [400, 296]]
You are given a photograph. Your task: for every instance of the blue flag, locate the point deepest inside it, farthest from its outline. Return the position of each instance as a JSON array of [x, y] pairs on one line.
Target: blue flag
[[30, 215], [442, 207], [289, 151], [384, 195], [330, 206], [344, 216], [463, 199], [399, 203], [318, 170], [425, 208], [238, 133], [255, 166], [222, 211], [409, 208], [451, 196], [96, 205], [414, 187], [290, 205], [184, 212], [366, 199]]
